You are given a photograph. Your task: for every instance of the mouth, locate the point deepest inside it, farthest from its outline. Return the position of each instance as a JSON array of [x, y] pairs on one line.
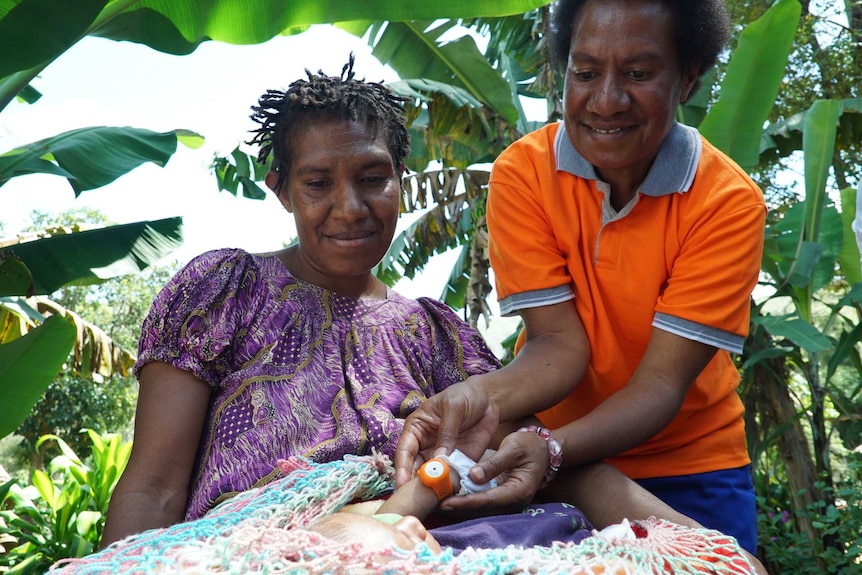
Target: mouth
[[604, 132], [350, 239]]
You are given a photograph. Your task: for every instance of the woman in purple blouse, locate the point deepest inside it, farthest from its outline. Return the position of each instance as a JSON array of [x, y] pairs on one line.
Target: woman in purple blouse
[[248, 358]]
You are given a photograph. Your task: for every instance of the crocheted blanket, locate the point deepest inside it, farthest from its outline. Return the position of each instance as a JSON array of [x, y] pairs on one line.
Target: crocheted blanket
[[261, 531]]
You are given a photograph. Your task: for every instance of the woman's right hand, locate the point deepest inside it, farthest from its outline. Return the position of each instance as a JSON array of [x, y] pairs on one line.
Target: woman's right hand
[[462, 416]]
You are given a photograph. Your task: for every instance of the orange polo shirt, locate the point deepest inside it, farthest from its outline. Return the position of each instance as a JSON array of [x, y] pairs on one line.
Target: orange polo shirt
[[682, 256]]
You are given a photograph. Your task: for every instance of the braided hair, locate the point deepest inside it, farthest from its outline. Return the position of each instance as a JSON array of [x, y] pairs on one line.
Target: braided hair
[[281, 114]]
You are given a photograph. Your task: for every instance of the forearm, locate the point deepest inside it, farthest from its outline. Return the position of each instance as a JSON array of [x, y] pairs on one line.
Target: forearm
[[625, 420], [641, 409], [606, 496], [153, 490], [133, 510], [538, 378], [412, 498]]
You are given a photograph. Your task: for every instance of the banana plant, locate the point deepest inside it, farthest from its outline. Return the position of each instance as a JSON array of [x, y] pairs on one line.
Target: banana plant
[[36, 334]]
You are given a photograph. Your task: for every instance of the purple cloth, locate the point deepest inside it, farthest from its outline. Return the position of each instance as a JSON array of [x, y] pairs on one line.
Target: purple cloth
[[536, 525], [296, 369]]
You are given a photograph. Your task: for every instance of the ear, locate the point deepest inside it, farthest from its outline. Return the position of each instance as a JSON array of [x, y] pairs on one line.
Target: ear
[[689, 79], [271, 180]]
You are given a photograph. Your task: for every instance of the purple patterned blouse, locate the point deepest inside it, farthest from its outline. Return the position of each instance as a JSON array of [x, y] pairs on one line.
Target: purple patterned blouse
[[297, 369]]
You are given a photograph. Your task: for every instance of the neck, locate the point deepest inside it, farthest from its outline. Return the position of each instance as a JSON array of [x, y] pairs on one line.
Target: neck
[[366, 286]]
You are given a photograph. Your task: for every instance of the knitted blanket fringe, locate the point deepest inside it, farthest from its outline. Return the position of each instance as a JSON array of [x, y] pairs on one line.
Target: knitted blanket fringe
[[261, 531]]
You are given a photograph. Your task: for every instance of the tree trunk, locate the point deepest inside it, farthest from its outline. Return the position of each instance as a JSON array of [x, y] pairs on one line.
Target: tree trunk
[[769, 406]]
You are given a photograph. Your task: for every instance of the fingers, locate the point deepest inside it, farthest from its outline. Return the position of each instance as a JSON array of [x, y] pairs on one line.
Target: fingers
[[405, 454], [447, 434], [509, 496]]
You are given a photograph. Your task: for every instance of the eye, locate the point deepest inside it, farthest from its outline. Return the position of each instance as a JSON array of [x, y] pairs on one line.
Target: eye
[[376, 180], [638, 75], [316, 183], [583, 75]]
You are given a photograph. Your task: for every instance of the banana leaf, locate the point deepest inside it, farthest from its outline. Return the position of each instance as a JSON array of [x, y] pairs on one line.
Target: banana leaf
[[753, 78], [93, 157], [93, 256], [28, 365], [34, 33]]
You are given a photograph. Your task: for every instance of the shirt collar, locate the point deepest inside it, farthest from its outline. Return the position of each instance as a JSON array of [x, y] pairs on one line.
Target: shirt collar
[[672, 171]]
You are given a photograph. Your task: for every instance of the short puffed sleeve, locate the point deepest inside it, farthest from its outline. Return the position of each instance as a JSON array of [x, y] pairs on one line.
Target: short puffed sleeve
[[196, 318], [457, 350]]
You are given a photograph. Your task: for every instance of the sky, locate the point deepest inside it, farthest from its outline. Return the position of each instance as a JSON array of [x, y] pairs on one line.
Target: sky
[[102, 82]]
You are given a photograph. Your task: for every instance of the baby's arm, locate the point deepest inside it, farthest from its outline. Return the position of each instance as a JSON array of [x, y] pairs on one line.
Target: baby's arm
[[415, 498]]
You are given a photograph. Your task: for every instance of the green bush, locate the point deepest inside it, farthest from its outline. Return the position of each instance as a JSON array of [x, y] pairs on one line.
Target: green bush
[[787, 550], [61, 513], [72, 403]]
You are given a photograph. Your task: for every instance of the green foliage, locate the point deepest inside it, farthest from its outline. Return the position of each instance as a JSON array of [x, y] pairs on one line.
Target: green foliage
[[27, 366], [70, 154], [72, 403], [61, 513], [790, 551]]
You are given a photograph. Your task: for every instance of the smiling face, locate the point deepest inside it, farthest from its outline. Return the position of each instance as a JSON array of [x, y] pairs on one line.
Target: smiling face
[[623, 86], [343, 191]]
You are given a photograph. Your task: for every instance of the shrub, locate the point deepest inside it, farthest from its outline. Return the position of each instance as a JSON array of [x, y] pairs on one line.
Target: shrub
[[61, 513], [787, 550]]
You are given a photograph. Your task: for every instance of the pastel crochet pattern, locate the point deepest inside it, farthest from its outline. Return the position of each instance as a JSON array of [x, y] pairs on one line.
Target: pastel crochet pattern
[[261, 531]]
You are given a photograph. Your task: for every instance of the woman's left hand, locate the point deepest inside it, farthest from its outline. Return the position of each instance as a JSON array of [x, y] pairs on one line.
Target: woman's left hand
[[519, 466]]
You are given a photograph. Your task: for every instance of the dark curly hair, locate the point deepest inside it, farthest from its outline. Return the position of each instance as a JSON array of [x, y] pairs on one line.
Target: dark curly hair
[[281, 114], [701, 30]]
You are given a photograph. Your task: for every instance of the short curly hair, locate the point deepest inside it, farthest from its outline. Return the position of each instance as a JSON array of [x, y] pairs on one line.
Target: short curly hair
[[281, 113], [701, 30]]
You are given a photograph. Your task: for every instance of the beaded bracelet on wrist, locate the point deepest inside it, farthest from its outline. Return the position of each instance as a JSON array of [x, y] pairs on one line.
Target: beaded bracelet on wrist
[[555, 450]]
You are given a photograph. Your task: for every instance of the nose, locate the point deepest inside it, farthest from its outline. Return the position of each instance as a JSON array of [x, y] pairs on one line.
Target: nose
[[414, 528], [348, 202], [417, 533], [609, 96]]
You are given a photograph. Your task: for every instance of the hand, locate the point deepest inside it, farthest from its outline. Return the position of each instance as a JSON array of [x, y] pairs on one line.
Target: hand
[[461, 416], [519, 466]]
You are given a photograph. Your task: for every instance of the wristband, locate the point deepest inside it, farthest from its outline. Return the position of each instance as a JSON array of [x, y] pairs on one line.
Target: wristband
[[434, 473], [555, 450]]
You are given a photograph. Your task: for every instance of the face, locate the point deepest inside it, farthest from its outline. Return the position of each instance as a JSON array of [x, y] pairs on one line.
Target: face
[[407, 533], [623, 86], [343, 191]]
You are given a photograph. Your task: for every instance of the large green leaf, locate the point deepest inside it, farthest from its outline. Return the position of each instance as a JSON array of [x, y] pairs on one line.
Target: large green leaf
[[33, 32], [93, 157], [15, 278], [453, 127], [414, 50], [818, 144], [849, 257], [751, 83], [240, 170], [44, 29], [791, 259], [255, 21], [95, 255], [797, 330], [27, 367], [785, 136]]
